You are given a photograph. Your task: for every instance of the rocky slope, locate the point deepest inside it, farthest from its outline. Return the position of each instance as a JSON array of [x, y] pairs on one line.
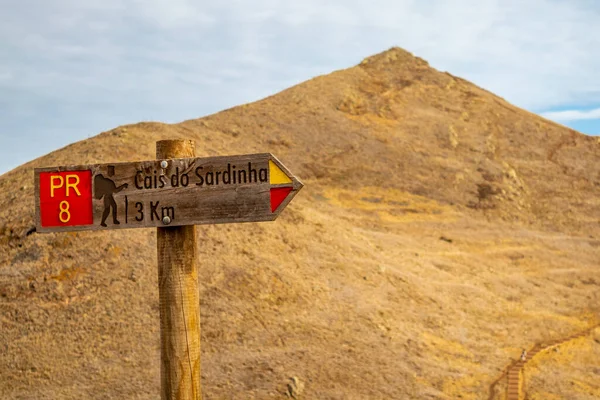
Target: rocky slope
[[440, 230]]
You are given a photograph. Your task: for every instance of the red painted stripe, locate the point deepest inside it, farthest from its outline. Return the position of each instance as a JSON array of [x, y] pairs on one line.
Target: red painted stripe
[[278, 195]]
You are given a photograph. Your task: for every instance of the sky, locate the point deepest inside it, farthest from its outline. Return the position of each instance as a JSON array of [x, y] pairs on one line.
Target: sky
[[70, 69]]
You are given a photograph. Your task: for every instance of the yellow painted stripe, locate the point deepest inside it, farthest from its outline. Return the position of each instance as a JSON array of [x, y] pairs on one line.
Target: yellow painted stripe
[[277, 175]]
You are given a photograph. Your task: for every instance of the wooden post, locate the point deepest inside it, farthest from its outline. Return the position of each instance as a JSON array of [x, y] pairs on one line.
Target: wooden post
[[179, 298]]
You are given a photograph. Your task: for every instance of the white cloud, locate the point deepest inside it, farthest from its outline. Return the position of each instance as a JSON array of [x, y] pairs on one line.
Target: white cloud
[[538, 54], [180, 59], [572, 115], [173, 13]]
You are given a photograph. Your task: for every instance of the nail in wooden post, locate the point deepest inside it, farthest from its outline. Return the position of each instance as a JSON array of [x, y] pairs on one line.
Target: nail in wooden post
[[179, 298]]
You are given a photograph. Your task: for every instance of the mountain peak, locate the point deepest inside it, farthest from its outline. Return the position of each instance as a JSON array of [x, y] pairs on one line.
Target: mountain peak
[[393, 56]]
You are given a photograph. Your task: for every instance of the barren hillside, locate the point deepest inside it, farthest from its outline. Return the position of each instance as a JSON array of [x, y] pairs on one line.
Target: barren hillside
[[440, 231]]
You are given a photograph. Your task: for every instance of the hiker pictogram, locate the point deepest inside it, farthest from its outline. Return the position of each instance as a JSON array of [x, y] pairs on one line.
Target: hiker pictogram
[[105, 187]]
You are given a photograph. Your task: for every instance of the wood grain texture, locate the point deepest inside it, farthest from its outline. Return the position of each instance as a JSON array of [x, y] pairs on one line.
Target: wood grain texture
[[179, 299], [191, 191]]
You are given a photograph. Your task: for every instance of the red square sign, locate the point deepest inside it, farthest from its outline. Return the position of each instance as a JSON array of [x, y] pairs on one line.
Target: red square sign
[[66, 198]]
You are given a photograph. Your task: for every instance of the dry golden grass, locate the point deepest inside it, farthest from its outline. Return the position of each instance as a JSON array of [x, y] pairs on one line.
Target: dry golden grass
[[440, 231]]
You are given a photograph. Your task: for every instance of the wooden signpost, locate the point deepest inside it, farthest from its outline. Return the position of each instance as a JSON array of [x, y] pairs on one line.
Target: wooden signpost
[[173, 193], [169, 192]]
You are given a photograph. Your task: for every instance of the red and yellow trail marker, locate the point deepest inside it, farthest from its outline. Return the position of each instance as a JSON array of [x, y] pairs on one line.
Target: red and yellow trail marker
[[281, 185]]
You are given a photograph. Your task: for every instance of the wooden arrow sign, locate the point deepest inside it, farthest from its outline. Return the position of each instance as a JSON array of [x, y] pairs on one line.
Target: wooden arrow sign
[[159, 193]]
